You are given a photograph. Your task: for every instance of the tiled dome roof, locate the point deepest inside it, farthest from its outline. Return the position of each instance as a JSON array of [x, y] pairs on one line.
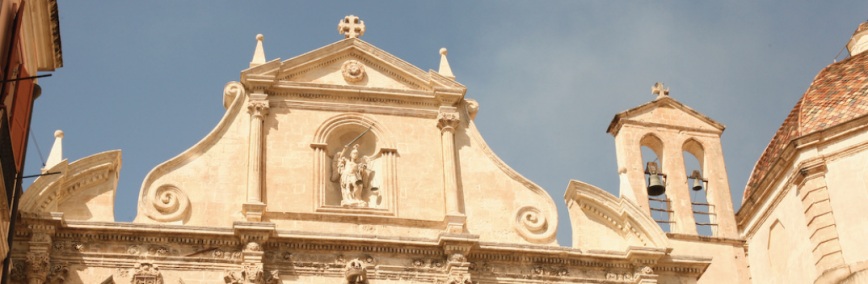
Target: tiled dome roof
[[838, 94]]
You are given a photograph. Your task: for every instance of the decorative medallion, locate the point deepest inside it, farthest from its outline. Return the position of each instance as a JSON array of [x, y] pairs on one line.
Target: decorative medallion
[[353, 71]]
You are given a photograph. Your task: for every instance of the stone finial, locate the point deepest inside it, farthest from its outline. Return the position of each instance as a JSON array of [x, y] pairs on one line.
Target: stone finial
[[259, 53], [859, 41], [445, 70], [56, 154], [659, 90], [351, 27]]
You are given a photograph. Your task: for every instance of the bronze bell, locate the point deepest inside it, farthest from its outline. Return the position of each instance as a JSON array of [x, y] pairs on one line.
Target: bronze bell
[[655, 184], [697, 180]]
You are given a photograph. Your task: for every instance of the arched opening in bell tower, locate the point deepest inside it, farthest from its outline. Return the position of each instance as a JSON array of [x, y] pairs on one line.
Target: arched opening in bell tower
[[660, 206], [694, 166]]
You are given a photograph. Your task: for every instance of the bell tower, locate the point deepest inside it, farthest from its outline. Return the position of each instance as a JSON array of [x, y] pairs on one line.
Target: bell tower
[[684, 198]]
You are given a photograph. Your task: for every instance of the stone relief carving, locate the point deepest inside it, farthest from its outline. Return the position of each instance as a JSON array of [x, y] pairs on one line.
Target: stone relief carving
[[258, 108], [252, 273], [231, 91], [353, 175], [353, 71], [550, 270], [459, 279], [38, 266], [58, 274], [18, 273], [169, 203], [147, 273], [448, 120], [531, 223], [355, 272]]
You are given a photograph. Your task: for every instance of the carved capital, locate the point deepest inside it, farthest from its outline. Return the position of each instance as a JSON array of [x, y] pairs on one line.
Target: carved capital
[[448, 121], [258, 108], [38, 264]]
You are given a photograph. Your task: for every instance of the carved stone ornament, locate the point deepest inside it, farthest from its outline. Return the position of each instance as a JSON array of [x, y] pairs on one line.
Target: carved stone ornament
[[447, 120], [147, 273], [58, 274], [351, 27], [353, 71], [38, 265], [18, 272], [252, 273], [459, 279], [258, 108], [252, 246], [353, 175], [168, 203], [355, 272]]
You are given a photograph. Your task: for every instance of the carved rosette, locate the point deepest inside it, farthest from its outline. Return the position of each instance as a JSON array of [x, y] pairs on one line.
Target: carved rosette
[[353, 71], [258, 108], [169, 203], [448, 121]]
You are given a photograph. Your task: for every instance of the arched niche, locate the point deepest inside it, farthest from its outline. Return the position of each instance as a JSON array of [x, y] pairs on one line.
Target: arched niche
[[341, 134]]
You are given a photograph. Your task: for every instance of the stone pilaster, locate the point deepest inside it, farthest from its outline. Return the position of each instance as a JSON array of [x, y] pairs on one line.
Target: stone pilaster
[[457, 266], [38, 258], [252, 271], [448, 120], [258, 109], [822, 229]]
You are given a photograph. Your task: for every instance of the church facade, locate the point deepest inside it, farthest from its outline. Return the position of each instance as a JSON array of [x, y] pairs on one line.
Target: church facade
[[347, 164]]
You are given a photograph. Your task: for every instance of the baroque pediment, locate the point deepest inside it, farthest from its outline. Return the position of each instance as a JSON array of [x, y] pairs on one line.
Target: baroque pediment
[[349, 65], [665, 110]]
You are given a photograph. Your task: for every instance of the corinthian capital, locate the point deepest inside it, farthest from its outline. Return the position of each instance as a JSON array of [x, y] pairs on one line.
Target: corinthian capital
[[258, 108], [447, 120], [38, 264]]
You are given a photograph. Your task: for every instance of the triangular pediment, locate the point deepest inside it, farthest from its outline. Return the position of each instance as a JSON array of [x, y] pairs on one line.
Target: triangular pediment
[[332, 66], [666, 111]]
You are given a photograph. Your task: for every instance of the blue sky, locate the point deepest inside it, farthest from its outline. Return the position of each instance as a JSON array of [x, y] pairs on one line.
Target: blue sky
[[147, 77]]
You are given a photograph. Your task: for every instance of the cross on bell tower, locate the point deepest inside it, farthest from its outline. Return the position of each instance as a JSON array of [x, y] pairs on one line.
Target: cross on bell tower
[[659, 89], [351, 27]]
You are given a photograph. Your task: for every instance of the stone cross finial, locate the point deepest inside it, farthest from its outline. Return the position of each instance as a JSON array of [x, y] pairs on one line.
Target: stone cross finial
[[659, 89], [351, 27]]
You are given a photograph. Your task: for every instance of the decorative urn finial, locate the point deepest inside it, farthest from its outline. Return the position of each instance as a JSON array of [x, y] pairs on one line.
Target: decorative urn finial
[[351, 27]]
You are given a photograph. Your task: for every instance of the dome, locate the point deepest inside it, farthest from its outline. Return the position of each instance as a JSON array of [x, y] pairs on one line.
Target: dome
[[838, 94]]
